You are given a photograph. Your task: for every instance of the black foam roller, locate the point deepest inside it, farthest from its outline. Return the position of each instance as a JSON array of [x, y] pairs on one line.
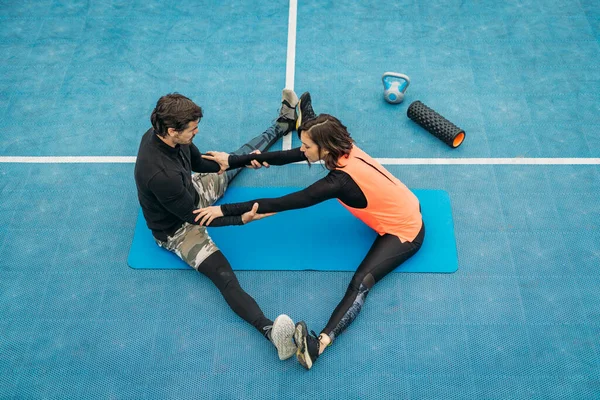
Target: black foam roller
[[435, 124]]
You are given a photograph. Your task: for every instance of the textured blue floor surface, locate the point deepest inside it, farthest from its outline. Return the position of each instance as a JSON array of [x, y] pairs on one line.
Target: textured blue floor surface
[[519, 319]]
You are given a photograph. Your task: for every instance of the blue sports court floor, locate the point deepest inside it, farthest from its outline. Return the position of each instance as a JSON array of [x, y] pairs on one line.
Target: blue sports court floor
[[519, 319]]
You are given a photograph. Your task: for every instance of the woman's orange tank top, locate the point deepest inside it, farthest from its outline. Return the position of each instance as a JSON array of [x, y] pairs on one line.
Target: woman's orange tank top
[[391, 207]]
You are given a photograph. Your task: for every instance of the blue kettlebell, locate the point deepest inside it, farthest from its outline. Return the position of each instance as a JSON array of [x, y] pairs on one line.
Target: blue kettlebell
[[394, 86]]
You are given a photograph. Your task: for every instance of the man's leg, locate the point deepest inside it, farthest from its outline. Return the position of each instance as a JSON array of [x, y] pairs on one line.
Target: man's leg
[[193, 245], [284, 124], [211, 186]]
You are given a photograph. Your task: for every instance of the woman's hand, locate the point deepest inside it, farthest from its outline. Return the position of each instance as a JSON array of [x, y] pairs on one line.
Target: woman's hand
[[206, 215], [220, 158], [253, 216]]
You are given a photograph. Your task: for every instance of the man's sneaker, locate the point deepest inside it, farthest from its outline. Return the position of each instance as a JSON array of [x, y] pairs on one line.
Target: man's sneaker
[[287, 113], [304, 110], [308, 345], [282, 335]]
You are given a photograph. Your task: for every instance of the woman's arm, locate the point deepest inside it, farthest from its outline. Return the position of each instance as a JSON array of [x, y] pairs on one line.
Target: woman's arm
[[272, 158], [323, 189]]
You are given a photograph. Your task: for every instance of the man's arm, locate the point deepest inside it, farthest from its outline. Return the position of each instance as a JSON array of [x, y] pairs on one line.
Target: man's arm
[[200, 164], [172, 194]]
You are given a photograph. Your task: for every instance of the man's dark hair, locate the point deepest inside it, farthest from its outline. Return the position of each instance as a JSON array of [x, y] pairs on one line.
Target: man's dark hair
[[175, 111]]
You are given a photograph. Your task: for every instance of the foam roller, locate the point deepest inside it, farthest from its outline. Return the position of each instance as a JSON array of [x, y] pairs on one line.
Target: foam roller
[[435, 124]]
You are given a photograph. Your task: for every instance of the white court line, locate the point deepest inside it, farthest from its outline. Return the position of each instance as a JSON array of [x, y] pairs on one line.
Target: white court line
[[383, 161], [290, 65], [70, 160], [489, 161]]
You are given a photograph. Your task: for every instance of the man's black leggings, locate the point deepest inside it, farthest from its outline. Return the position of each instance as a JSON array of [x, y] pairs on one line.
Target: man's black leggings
[[218, 270], [386, 253]]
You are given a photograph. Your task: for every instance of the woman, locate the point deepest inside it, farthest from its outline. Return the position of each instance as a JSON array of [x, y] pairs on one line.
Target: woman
[[361, 185]]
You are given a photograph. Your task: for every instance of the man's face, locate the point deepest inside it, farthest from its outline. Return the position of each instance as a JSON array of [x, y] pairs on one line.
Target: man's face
[[187, 135]]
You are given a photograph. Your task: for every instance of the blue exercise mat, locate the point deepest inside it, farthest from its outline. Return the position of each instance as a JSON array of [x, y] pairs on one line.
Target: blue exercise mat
[[325, 237]]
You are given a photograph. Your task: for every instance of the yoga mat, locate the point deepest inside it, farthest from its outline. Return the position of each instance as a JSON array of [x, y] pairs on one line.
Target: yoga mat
[[325, 237]]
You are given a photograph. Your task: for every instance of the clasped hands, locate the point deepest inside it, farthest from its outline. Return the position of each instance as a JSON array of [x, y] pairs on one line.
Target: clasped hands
[[222, 158]]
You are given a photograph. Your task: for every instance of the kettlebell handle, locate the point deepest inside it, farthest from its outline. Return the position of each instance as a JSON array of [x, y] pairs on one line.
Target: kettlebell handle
[[396, 75]]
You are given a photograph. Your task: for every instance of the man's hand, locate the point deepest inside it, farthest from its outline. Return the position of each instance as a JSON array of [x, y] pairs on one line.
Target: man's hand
[[255, 164], [206, 215], [253, 216], [220, 158]]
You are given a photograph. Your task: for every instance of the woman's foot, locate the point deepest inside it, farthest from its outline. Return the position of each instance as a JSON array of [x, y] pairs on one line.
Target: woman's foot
[[308, 345], [324, 341], [304, 110]]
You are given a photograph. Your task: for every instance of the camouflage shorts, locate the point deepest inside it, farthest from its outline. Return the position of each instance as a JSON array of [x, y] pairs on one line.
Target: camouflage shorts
[[191, 242]]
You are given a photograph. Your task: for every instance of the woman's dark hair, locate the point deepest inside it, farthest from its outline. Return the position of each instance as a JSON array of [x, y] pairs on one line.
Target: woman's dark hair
[[329, 134], [175, 111]]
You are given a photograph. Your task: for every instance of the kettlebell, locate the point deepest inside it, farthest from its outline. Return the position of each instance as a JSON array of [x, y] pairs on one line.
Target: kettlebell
[[394, 86]]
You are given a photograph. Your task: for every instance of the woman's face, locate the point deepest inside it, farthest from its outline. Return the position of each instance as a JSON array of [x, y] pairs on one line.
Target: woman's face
[[309, 148]]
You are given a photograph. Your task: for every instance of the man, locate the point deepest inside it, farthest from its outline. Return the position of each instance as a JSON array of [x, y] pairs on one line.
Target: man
[[168, 194]]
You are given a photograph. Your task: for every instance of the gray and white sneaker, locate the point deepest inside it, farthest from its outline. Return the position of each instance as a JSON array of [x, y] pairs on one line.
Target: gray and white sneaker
[[282, 335], [287, 112]]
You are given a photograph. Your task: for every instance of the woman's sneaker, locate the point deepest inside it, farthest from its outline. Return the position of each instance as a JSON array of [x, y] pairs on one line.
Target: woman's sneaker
[[282, 336], [308, 345], [304, 110]]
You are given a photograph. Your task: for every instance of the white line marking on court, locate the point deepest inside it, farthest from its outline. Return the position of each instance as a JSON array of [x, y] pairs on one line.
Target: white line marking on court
[[290, 66], [489, 161], [383, 161], [70, 160]]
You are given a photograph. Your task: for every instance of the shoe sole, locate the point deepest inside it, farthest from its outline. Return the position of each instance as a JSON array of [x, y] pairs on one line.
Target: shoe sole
[[299, 113], [302, 355], [290, 101], [281, 334]]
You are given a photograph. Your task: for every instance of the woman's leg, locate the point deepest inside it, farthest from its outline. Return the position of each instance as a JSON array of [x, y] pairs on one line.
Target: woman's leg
[[385, 255]]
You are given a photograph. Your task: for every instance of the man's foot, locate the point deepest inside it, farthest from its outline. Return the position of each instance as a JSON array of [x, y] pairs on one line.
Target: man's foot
[[287, 113], [304, 110], [308, 345], [282, 335]]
